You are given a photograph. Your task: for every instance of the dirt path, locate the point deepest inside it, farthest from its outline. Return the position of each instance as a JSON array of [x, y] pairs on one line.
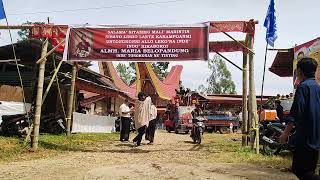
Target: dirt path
[[171, 157]]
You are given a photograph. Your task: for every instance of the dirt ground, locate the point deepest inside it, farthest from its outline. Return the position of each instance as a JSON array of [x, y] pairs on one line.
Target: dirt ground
[[171, 157]]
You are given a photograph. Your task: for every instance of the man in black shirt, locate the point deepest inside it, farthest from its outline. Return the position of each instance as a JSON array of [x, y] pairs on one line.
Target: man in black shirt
[[305, 113], [279, 110]]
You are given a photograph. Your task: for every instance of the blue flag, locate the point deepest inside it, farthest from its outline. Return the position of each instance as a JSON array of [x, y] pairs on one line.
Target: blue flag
[[2, 12], [270, 24]]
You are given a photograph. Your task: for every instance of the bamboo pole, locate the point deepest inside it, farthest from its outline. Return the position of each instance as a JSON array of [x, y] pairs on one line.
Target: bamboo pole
[[37, 116], [16, 26], [71, 97], [245, 99], [254, 132]]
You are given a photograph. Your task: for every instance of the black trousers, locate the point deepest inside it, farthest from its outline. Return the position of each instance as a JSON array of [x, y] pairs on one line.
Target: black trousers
[[125, 128], [304, 163], [151, 130], [138, 138]]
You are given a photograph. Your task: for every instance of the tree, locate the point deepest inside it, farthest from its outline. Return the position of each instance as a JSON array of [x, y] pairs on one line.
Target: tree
[[125, 73], [220, 80], [160, 69]]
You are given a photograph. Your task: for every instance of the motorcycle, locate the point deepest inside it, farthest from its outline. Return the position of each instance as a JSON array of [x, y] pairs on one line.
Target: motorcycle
[[269, 138], [198, 128]]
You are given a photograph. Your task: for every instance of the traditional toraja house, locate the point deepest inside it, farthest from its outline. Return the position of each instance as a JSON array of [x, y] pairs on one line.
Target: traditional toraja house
[[147, 81], [285, 62], [87, 81]]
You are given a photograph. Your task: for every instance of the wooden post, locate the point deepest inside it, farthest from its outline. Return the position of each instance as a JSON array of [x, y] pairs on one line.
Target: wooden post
[[245, 99], [71, 97], [114, 105], [254, 132], [37, 116]]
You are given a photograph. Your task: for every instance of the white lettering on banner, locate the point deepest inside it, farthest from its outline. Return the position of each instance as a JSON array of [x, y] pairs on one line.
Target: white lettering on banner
[[139, 32], [148, 43], [121, 55], [157, 31], [154, 46], [130, 51], [179, 31], [166, 51], [140, 55], [165, 41], [117, 32], [123, 41], [109, 51]]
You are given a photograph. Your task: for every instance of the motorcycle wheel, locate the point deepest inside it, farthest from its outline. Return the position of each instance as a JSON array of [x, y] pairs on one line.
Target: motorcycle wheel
[[269, 150], [168, 129]]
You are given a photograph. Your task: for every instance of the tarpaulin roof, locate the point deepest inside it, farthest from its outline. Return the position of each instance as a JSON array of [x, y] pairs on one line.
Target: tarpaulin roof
[[283, 63]]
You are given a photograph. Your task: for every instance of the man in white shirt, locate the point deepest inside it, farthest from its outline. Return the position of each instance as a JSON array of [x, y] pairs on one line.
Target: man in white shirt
[[125, 120], [152, 124]]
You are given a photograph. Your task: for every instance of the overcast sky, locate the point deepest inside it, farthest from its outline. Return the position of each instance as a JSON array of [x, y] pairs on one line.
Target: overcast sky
[[296, 21]]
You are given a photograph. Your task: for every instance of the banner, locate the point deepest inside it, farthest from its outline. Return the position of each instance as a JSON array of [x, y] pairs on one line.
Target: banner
[[87, 123], [138, 43], [308, 49]]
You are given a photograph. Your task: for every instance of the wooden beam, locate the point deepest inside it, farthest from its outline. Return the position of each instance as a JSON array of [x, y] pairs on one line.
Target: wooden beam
[[16, 26]]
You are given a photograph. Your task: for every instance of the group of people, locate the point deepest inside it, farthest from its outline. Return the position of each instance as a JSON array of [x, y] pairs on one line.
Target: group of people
[[145, 119]]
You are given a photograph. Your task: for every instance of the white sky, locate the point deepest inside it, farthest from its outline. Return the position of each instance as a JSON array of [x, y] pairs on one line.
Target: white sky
[[296, 21]]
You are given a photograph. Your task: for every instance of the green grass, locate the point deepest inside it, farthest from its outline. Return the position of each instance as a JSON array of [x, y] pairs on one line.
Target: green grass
[[217, 148], [228, 149], [12, 149]]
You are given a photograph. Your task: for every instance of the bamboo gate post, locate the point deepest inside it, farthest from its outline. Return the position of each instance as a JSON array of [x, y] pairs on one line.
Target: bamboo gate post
[[37, 116], [254, 131], [71, 97], [245, 99]]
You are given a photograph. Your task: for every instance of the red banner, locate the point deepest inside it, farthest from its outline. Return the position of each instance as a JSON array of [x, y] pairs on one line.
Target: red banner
[[55, 33], [137, 44], [232, 26]]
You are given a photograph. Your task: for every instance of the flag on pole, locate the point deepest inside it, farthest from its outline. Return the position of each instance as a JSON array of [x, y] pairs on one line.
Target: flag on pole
[[2, 12], [270, 24]]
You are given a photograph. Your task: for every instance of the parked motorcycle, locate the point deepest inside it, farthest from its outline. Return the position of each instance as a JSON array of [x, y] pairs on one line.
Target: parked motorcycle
[[269, 138], [198, 128]]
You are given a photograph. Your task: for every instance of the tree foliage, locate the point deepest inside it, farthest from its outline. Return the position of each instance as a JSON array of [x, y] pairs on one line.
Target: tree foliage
[[125, 73], [25, 32], [220, 80], [128, 72]]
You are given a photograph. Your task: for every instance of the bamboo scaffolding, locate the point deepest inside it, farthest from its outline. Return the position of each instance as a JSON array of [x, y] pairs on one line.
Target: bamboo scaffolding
[[71, 97], [39, 98], [254, 132], [245, 99]]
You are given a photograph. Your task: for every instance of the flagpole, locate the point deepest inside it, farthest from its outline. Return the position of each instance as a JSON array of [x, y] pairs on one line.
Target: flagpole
[[16, 62], [263, 77]]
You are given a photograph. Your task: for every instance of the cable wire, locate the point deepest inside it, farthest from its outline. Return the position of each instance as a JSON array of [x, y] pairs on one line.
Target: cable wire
[[97, 8]]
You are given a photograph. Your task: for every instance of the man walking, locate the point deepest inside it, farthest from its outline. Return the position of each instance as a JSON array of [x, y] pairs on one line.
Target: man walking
[[305, 113], [152, 124], [125, 120], [142, 115]]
